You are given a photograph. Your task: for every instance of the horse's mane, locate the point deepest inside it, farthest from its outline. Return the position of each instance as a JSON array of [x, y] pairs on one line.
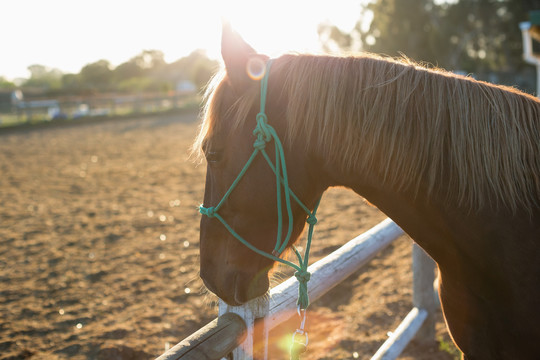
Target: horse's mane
[[416, 127]]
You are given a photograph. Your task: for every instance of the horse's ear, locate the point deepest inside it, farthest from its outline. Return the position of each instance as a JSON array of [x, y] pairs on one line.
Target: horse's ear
[[237, 55]]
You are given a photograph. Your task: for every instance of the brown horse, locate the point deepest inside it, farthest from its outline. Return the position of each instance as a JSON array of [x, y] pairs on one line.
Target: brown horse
[[454, 161]]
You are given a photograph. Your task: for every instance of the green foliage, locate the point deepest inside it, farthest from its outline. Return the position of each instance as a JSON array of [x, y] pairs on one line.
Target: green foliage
[[146, 72], [72, 83], [472, 35], [406, 26], [450, 348], [196, 67], [484, 34], [43, 78], [6, 85], [127, 70], [142, 85], [97, 76], [149, 59]]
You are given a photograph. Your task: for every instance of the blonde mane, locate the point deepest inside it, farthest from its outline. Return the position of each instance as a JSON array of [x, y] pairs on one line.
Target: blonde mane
[[415, 127]]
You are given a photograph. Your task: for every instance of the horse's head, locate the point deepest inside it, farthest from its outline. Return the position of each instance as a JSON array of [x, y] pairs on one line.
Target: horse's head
[[229, 268]]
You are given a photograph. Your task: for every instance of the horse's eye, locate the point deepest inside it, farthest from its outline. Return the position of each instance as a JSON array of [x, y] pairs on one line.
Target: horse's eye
[[213, 156]]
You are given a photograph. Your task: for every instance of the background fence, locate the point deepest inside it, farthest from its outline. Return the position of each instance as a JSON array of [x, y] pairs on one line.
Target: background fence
[[73, 108], [228, 332]]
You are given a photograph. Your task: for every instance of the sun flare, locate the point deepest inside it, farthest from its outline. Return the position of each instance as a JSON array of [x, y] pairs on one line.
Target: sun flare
[[174, 27]]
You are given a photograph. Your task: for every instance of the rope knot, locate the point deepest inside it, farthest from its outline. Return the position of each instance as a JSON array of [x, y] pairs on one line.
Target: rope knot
[[262, 129], [303, 276], [209, 211], [261, 117], [259, 144], [311, 220]]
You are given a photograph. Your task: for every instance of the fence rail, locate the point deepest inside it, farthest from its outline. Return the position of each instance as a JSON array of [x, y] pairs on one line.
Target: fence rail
[[280, 305], [211, 342], [72, 108]]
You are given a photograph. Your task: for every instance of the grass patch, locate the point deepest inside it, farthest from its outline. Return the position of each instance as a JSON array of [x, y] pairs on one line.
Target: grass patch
[[450, 348]]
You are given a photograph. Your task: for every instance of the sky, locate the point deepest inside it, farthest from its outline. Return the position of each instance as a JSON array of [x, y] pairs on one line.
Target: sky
[[68, 34]]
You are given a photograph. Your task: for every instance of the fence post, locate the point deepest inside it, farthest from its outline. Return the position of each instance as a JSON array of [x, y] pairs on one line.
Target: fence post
[[216, 339], [423, 292], [255, 344]]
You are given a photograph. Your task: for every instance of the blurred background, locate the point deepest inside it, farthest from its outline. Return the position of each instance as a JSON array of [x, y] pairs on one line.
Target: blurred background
[[68, 59]]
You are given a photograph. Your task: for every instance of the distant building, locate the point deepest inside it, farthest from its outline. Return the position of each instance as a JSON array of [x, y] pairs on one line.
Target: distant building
[[10, 99], [185, 86]]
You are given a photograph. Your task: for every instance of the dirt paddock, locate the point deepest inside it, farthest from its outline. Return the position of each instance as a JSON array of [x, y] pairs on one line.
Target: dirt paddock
[[99, 235]]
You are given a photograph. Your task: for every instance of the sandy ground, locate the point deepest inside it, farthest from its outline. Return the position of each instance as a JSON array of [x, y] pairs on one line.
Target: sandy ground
[[99, 250]]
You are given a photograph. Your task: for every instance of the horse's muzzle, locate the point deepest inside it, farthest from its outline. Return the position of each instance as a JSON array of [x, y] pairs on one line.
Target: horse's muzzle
[[235, 287]]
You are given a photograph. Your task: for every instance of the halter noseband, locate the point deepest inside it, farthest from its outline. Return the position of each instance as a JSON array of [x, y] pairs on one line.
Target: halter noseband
[[265, 133]]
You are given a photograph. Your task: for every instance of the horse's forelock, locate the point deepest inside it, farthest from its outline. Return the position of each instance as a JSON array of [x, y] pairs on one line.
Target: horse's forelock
[[210, 106], [220, 100]]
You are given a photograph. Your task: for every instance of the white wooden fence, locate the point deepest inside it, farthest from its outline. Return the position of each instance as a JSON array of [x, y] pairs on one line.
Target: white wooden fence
[[280, 305]]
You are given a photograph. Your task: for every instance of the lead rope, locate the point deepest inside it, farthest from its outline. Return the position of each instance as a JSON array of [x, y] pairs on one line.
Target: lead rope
[[266, 133]]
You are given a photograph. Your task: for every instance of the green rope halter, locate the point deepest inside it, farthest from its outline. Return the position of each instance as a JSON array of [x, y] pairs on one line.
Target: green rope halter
[[266, 133]]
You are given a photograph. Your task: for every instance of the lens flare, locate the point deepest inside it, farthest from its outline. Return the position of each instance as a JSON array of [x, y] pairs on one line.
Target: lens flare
[[256, 68]]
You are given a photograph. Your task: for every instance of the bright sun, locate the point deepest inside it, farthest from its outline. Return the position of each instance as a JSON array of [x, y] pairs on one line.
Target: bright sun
[[284, 25], [272, 29], [118, 30]]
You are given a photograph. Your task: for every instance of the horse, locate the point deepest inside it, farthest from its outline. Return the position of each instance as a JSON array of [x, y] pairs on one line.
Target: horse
[[455, 162]]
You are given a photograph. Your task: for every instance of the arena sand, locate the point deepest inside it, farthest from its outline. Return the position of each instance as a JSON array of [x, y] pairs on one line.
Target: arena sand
[[99, 236]]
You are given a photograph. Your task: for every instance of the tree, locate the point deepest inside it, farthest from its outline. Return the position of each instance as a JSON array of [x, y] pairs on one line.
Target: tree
[[469, 35], [97, 76], [398, 27], [6, 85], [484, 34], [150, 59], [408, 27], [44, 78], [145, 72], [127, 70], [72, 83], [196, 67]]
